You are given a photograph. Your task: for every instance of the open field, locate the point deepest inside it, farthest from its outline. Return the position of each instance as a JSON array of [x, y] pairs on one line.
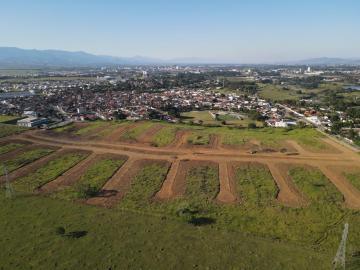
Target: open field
[[6, 130], [164, 200], [10, 147]]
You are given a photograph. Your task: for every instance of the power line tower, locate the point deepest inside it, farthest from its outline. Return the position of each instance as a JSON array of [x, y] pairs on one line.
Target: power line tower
[[339, 260], [9, 192]]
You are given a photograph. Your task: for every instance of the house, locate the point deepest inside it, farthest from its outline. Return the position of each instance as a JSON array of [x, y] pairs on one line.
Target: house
[[32, 122]]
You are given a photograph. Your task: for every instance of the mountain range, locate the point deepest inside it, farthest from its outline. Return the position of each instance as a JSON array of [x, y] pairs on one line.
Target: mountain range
[[12, 57]]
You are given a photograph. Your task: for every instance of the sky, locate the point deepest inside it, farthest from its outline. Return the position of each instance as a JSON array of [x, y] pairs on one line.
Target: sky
[[243, 31]]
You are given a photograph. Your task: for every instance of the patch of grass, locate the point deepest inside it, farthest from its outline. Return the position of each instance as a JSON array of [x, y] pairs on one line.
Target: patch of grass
[[133, 133], [24, 159], [64, 128], [48, 172], [277, 93], [5, 118], [199, 138], [146, 183], [255, 185], [91, 128], [354, 178], [9, 147], [7, 130], [165, 136], [93, 179]]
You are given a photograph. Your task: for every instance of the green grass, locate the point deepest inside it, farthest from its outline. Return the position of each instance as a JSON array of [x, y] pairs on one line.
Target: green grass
[[133, 133], [146, 183], [91, 128], [276, 93], [255, 185], [48, 172], [95, 177], [24, 159], [204, 116], [118, 239], [10, 147], [7, 130], [165, 136], [4, 118], [354, 178], [199, 138]]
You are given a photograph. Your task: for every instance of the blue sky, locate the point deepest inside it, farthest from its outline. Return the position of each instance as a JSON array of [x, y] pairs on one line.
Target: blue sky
[[227, 30]]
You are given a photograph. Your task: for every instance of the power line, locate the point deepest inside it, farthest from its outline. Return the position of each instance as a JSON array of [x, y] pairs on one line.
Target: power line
[[9, 192]]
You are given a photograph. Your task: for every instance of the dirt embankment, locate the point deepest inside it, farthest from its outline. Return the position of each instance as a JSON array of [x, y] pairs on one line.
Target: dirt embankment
[[227, 192], [115, 189], [288, 195]]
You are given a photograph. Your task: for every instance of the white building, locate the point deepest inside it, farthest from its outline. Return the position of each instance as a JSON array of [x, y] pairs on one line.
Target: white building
[[32, 122]]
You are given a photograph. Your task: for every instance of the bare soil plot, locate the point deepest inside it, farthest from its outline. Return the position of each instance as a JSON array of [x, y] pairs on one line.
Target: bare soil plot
[[227, 192], [20, 150], [289, 195], [166, 191], [115, 189]]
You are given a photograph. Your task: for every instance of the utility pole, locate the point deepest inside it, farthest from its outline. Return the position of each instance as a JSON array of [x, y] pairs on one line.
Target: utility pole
[[339, 260]]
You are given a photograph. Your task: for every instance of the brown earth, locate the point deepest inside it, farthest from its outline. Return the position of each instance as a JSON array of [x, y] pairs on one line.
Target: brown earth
[[115, 189], [227, 192], [288, 195], [25, 148]]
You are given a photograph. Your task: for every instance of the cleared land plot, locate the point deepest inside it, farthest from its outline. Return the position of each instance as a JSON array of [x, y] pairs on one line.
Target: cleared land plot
[[50, 171], [145, 184], [7, 130], [352, 174], [24, 158], [11, 146], [254, 184], [115, 189], [93, 178], [165, 136]]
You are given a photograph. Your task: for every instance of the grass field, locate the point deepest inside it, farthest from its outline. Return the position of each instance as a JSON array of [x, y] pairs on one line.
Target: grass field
[[24, 159], [276, 93], [6, 130], [48, 172], [354, 178], [199, 138], [10, 147], [119, 239], [92, 181]]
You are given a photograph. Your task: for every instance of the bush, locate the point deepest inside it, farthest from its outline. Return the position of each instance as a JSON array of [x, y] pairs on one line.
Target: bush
[[85, 191], [252, 125], [60, 230]]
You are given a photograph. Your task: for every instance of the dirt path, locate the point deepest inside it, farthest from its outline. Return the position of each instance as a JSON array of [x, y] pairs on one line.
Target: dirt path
[[350, 193], [297, 147], [227, 192], [166, 192], [289, 195]]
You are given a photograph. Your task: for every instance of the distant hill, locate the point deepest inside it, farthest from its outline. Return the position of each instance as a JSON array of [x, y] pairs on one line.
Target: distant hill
[[11, 57], [326, 61]]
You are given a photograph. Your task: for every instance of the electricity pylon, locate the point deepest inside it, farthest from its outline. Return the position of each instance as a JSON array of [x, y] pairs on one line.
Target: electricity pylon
[[9, 192], [339, 260]]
